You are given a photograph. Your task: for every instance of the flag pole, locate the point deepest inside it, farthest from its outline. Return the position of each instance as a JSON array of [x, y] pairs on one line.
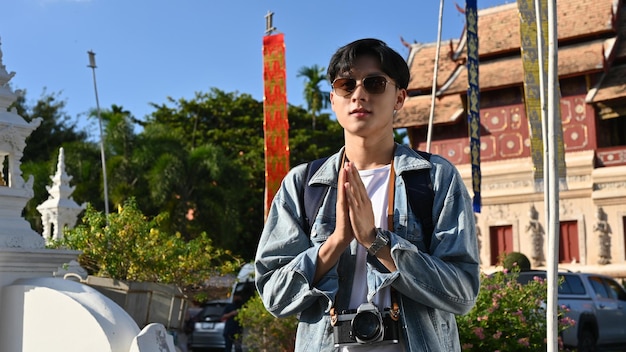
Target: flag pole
[[553, 120], [92, 64], [434, 89]]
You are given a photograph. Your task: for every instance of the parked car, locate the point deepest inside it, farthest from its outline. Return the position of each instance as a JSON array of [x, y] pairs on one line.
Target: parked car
[[244, 284], [597, 304], [206, 327]]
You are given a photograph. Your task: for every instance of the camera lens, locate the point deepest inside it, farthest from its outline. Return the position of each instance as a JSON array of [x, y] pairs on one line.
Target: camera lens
[[366, 326]]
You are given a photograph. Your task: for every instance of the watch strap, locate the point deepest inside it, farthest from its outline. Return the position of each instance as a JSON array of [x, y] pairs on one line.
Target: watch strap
[[380, 241]]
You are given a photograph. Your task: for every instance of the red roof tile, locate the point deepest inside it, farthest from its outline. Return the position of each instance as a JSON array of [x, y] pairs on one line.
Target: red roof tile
[[422, 63], [447, 109], [585, 57], [575, 18]]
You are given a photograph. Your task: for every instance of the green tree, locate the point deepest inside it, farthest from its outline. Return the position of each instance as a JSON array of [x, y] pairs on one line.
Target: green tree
[[399, 136], [200, 160], [234, 123], [131, 246], [197, 187], [120, 142], [56, 130], [315, 98]]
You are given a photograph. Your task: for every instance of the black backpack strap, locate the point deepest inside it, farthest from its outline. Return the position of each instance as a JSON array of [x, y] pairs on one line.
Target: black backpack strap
[[420, 193], [312, 196]]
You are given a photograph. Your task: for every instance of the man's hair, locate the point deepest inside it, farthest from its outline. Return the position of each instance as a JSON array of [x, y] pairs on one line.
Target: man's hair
[[391, 63]]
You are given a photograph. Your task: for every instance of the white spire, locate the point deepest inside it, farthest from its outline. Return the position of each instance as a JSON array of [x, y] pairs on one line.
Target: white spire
[[59, 210]]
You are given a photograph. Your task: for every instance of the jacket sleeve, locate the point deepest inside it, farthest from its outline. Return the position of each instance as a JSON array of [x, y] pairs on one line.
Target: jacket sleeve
[[449, 277], [286, 257]]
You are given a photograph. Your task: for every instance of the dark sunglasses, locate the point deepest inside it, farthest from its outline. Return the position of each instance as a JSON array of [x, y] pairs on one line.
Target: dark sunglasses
[[373, 85]]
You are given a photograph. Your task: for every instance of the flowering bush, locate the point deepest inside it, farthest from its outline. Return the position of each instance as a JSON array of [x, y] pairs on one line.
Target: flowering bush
[[508, 316], [130, 246]]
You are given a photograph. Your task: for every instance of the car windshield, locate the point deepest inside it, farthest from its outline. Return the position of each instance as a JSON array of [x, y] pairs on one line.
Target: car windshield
[[212, 311], [569, 284], [617, 292]]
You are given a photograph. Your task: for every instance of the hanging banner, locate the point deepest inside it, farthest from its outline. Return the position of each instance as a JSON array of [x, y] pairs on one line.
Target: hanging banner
[[532, 89], [533, 76], [473, 98], [275, 122]]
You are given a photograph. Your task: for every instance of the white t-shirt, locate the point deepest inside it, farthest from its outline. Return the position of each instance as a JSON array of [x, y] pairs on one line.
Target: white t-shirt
[[376, 182]]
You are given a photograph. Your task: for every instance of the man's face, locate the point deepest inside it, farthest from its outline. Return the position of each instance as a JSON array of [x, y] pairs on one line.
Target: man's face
[[365, 108]]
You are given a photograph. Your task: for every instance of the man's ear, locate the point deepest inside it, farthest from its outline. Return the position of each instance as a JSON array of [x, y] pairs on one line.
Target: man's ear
[[400, 98]]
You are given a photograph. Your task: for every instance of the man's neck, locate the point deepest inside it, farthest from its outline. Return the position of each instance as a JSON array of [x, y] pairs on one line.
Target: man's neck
[[368, 154]]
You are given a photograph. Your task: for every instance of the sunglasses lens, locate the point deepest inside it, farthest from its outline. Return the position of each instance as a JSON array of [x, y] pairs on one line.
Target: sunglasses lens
[[344, 86], [375, 85]]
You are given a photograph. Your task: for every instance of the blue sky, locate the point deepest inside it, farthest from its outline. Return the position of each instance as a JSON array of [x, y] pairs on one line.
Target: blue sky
[[147, 50]]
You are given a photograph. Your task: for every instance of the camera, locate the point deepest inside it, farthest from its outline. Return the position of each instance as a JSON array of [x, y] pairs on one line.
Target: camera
[[365, 326]]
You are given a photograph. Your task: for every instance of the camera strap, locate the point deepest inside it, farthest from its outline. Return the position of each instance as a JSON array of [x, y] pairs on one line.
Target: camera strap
[[394, 310]]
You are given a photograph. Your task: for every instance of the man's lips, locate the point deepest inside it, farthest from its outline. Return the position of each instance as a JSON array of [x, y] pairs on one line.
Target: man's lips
[[359, 111]]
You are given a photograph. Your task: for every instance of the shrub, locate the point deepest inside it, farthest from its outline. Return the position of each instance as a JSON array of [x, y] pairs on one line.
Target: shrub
[[132, 247], [263, 331], [508, 316], [516, 259]]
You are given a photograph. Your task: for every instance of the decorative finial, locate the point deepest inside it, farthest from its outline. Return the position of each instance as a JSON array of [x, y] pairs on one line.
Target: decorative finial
[[7, 96], [92, 59], [4, 75], [269, 27]]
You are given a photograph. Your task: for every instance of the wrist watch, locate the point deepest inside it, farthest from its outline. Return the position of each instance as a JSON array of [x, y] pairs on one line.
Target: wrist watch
[[381, 240]]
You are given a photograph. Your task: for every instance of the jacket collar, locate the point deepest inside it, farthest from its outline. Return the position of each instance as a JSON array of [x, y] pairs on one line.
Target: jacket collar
[[405, 159]]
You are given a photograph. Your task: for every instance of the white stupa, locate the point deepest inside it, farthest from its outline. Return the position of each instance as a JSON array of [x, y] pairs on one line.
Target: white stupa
[[15, 232], [59, 210]]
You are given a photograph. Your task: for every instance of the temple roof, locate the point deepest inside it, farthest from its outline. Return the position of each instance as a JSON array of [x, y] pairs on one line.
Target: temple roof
[[576, 18], [447, 109], [590, 40], [613, 83], [584, 57]]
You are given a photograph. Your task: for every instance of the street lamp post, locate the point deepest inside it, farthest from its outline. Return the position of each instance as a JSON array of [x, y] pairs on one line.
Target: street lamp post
[[92, 64]]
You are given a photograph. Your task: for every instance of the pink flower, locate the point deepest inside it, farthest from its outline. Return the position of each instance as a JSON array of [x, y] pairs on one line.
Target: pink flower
[[520, 315], [567, 321], [479, 332], [524, 341], [497, 335]]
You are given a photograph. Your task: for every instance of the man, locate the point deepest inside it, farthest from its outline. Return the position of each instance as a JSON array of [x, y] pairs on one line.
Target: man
[[357, 260], [232, 328]]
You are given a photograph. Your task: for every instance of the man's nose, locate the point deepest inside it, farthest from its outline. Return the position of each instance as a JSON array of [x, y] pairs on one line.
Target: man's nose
[[359, 92]]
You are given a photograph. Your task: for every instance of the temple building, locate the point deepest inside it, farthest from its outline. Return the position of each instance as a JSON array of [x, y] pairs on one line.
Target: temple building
[[592, 82]]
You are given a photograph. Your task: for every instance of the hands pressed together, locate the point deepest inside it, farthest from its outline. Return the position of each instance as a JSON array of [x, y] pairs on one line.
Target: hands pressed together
[[355, 220], [355, 217]]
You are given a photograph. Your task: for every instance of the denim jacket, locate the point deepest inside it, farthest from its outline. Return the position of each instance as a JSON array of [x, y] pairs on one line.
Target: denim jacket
[[433, 284]]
